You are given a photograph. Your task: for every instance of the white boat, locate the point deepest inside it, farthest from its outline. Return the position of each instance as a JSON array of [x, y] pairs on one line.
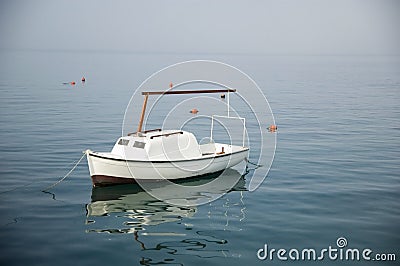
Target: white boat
[[158, 154]]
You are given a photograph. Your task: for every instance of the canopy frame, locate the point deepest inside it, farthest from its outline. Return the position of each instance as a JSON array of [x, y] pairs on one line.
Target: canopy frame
[[147, 93]]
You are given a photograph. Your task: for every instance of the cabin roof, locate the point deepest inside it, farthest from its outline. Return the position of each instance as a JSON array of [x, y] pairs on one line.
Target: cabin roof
[[160, 145]]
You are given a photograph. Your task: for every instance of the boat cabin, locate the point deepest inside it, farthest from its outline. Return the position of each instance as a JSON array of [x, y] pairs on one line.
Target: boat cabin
[[160, 145]]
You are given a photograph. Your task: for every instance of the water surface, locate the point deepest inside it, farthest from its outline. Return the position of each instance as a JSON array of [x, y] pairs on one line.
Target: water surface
[[336, 168]]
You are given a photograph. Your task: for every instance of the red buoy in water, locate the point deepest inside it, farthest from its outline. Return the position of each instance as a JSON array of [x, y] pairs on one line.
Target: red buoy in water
[[194, 111], [72, 83], [272, 128], [171, 85]]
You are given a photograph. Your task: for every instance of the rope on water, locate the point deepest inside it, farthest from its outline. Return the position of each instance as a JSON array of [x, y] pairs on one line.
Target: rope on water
[[256, 165], [62, 179], [247, 170]]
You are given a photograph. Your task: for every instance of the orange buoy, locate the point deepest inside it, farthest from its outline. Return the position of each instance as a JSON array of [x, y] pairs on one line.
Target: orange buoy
[[83, 79], [272, 128], [72, 83], [171, 85], [194, 111]]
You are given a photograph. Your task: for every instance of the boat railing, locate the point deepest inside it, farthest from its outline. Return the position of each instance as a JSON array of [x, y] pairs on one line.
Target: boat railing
[[166, 134], [144, 132], [151, 130]]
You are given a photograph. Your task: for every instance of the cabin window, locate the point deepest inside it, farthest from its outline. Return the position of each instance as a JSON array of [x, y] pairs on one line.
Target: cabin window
[[123, 142], [139, 144]]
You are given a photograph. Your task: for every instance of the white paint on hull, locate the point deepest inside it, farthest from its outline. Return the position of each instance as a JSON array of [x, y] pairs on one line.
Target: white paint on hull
[[105, 164]]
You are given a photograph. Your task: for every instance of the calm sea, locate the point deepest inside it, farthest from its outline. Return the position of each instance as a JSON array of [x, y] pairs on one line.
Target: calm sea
[[336, 171]]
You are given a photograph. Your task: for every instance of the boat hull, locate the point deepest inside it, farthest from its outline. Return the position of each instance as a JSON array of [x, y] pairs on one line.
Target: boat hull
[[106, 170]]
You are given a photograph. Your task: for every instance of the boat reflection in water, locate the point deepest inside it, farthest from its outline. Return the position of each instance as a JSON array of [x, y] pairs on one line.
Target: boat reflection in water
[[131, 210]]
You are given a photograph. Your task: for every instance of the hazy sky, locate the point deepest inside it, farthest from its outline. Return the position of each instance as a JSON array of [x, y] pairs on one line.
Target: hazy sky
[[270, 27]]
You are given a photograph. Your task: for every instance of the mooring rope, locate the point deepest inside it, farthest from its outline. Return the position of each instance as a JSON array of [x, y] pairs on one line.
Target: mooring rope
[[62, 179], [256, 165], [247, 170]]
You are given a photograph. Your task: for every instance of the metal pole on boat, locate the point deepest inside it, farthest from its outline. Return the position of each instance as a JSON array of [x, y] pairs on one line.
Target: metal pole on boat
[[146, 96], [244, 129], [228, 103], [212, 127]]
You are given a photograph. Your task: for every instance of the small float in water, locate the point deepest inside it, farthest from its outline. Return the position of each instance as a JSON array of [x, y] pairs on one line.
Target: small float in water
[[272, 128], [159, 154], [194, 111]]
